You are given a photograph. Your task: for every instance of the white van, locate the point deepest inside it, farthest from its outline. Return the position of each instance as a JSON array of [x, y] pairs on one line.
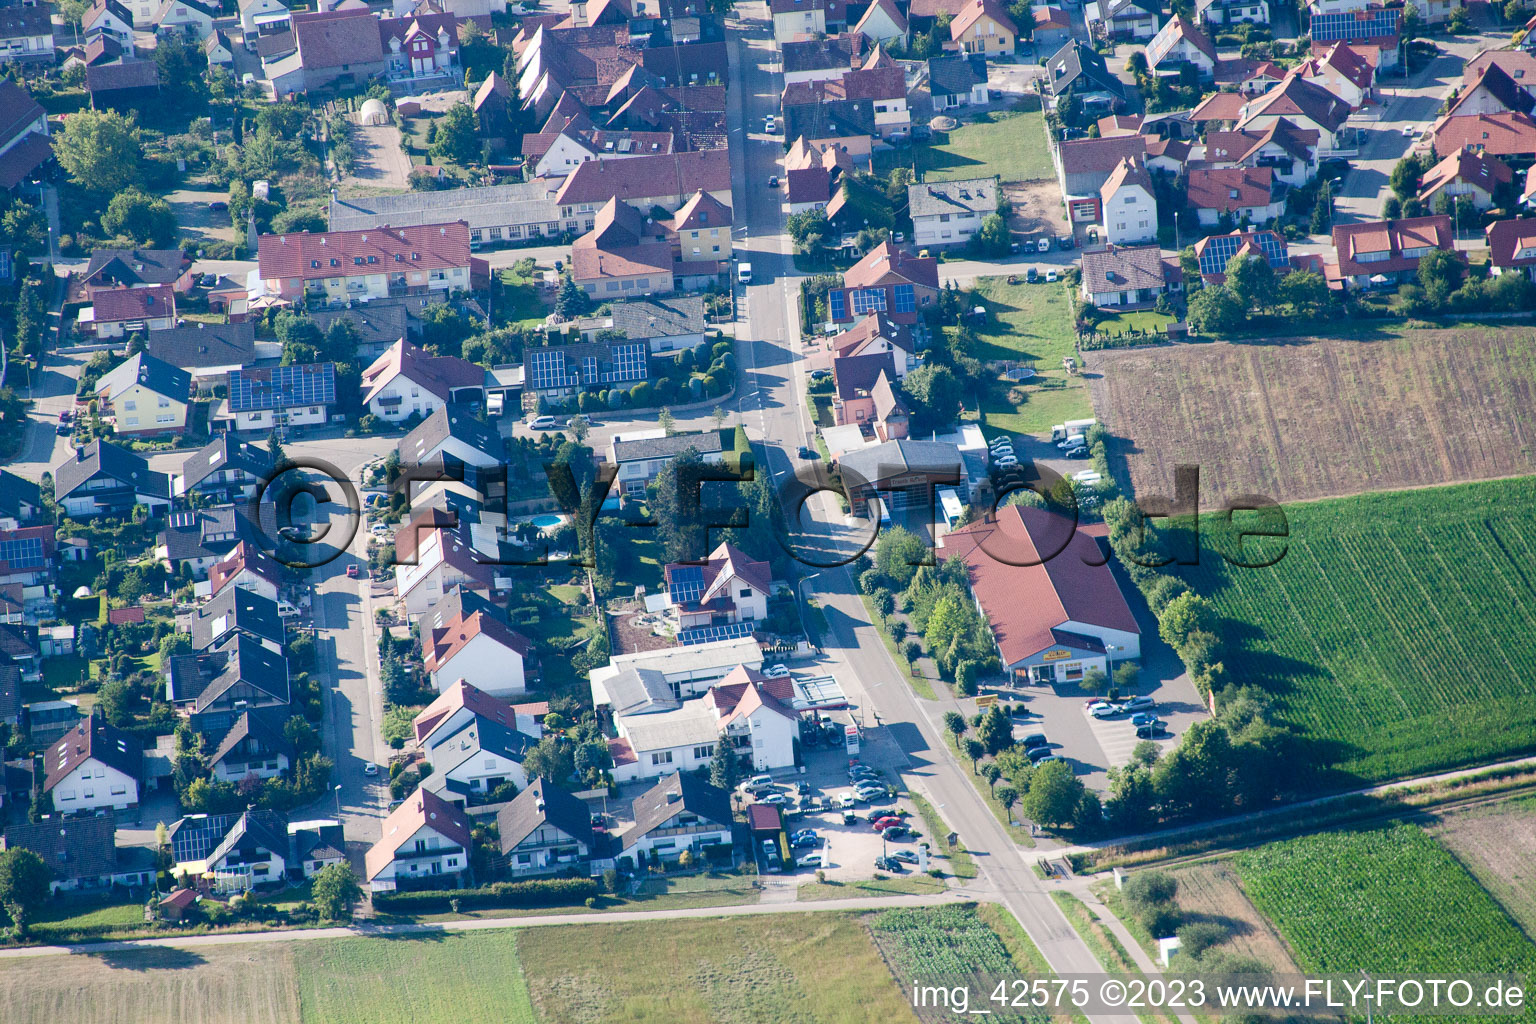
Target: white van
[[744, 273]]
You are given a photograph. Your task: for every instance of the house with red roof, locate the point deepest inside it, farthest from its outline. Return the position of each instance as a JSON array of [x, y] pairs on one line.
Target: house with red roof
[[1512, 247], [444, 560], [462, 703], [409, 381], [1383, 253], [1290, 151], [425, 846], [667, 181], [337, 267], [624, 254], [1465, 173], [249, 567], [1304, 104], [1181, 43], [115, 312], [1344, 72], [1505, 134], [887, 280], [728, 588], [331, 48], [983, 26], [1244, 195], [1053, 618], [1490, 90], [1053, 27], [92, 767], [479, 649], [883, 22]]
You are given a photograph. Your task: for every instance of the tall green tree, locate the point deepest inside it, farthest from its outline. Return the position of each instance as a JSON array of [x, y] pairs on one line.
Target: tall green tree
[[724, 767], [1251, 281], [1054, 793], [23, 886], [455, 138], [100, 150], [334, 890]]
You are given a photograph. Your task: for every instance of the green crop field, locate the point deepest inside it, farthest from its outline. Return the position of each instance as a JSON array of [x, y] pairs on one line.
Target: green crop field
[[1398, 630], [1385, 901], [456, 977]]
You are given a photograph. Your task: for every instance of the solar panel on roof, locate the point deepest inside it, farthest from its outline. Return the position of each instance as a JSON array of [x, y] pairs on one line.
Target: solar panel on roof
[[1374, 23], [197, 838], [685, 584], [1220, 249], [282, 387], [23, 553], [709, 634]]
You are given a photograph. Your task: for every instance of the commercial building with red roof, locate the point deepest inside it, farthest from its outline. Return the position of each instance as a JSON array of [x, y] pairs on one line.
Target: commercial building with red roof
[[1047, 592], [375, 263]]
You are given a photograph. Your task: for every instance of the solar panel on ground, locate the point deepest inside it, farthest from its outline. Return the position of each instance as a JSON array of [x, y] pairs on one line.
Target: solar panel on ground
[[708, 634]]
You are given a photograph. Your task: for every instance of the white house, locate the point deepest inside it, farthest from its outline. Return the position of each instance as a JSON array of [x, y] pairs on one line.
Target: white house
[[188, 17], [728, 589], [92, 767], [479, 649], [1129, 204], [794, 18], [545, 830], [452, 438], [950, 212], [408, 381], [1178, 42], [660, 733], [268, 397], [264, 17], [683, 671], [104, 479], [253, 852], [315, 845], [443, 561], [681, 813], [249, 568], [254, 746], [476, 759], [883, 22], [642, 455], [425, 845]]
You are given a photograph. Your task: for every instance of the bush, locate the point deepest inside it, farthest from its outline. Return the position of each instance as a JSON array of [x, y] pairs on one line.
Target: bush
[[1199, 936], [543, 892]]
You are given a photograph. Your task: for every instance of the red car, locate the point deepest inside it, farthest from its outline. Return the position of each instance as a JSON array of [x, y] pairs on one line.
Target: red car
[[352, 571], [885, 823]]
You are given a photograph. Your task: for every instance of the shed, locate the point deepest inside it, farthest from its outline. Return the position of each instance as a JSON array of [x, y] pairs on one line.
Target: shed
[[765, 820]]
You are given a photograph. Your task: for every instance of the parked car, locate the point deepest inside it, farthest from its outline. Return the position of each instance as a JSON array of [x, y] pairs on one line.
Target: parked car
[[849, 818], [65, 415], [773, 799], [63, 430], [758, 784], [543, 423], [1080, 452], [1031, 275], [1153, 731], [1051, 277], [218, 206], [890, 864], [1050, 758], [1104, 709], [1038, 754], [1140, 702], [777, 672], [773, 181], [1006, 460], [1044, 245], [881, 824], [905, 856], [1144, 718], [1033, 740], [897, 831], [805, 841], [811, 860], [807, 453], [353, 572], [846, 799], [370, 769]]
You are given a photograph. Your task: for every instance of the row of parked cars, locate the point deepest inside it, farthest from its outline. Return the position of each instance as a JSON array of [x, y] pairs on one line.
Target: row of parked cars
[[1141, 709]]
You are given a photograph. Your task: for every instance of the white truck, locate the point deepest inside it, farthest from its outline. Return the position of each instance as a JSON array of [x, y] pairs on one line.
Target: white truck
[[1062, 431]]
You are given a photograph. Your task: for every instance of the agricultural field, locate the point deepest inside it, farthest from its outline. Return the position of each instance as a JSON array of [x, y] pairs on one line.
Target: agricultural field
[[1030, 325], [463, 977], [1388, 900], [1310, 419], [1398, 631], [1497, 843]]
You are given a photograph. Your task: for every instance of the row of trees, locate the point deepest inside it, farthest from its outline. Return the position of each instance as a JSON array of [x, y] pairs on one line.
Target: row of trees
[[1253, 289]]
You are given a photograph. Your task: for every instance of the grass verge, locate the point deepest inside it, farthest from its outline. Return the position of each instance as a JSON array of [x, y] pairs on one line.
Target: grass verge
[[961, 864], [922, 885], [1018, 833], [920, 684]]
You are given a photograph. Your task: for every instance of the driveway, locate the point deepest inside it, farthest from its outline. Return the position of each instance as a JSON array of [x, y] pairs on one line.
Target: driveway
[[380, 160], [195, 219]]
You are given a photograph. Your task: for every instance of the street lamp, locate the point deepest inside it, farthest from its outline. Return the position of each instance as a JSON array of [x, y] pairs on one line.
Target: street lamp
[[800, 592], [338, 800]]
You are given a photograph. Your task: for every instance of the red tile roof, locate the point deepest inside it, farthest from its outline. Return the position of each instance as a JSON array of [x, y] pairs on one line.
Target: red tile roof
[[1219, 106], [1350, 241], [438, 374], [115, 304], [1504, 134], [647, 177], [975, 11], [1027, 601], [1230, 188], [463, 695], [329, 39], [119, 616], [421, 809], [1484, 171], [382, 250], [886, 264], [1507, 239], [447, 641]]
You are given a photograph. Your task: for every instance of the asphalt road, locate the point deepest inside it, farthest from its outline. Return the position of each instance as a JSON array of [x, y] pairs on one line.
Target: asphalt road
[[772, 406]]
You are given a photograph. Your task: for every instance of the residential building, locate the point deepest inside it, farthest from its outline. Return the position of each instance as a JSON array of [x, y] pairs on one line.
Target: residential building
[[556, 154], [795, 18], [253, 851], [24, 143], [207, 352], [1506, 135], [1232, 12], [700, 232], [26, 37], [144, 395], [643, 182], [567, 369], [1512, 247], [264, 17], [421, 45], [957, 80], [810, 172], [1128, 277], [682, 672], [189, 18], [1084, 166], [193, 540], [1054, 617], [347, 266], [226, 469], [1179, 44], [133, 268], [1214, 252], [1342, 71], [27, 560], [274, 397], [254, 746], [728, 589], [480, 649], [93, 766], [1241, 195], [1305, 105], [461, 704], [20, 648], [753, 713], [103, 479], [238, 611], [1384, 253], [247, 567], [877, 333], [1053, 27], [681, 813], [214, 687], [1370, 29], [20, 500], [622, 255], [1466, 173], [81, 853], [642, 456], [443, 560], [983, 26], [948, 213], [853, 381], [409, 381], [119, 311], [458, 442], [887, 280], [884, 23], [332, 48], [546, 831], [1289, 151], [902, 474], [123, 85], [1128, 204], [425, 844], [108, 17], [1490, 90], [314, 846], [1122, 20], [666, 324]]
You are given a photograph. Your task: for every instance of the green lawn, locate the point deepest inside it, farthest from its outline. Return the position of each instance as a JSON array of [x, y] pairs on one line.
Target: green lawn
[[1398, 630], [65, 920], [1389, 900], [1138, 320], [898, 886], [1009, 145], [1029, 324], [518, 302], [65, 673], [445, 979], [961, 864]]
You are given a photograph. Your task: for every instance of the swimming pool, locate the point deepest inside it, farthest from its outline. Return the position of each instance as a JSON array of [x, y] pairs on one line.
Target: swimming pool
[[547, 521]]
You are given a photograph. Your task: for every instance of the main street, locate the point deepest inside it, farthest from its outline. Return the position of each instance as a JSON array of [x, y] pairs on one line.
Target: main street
[[772, 407]]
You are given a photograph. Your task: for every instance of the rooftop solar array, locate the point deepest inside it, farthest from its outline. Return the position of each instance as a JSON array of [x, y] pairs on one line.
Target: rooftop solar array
[[709, 634], [1219, 250], [198, 837], [282, 387], [685, 583], [23, 553], [1372, 23]]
